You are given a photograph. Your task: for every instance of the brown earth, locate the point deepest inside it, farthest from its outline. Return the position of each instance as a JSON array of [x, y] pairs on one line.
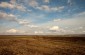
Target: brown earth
[[42, 45]]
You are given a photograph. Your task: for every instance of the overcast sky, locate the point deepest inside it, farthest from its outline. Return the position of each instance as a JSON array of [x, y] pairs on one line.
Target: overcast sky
[[43, 17]]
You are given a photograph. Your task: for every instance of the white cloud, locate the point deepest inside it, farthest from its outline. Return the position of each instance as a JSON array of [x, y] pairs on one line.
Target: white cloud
[[46, 1], [58, 30], [80, 27], [13, 18], [20, 7], [47, 8], [44, 7], [32, 26], [6, 5], [9, 17], [23, 22], [57, 8], [84, 31], [26, 23], [56, 20], [55, 28], [12, 5], [33, 3], [15, 31], [13, 1], [12, 31], [38, 32]]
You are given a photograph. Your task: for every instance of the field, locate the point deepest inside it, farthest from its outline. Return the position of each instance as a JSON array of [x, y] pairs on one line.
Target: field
[[42, 45]]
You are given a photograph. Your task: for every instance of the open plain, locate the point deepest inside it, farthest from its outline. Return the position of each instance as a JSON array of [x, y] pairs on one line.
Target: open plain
[[42, 45]]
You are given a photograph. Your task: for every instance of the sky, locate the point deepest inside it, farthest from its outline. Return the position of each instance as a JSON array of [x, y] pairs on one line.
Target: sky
[[42, 17]]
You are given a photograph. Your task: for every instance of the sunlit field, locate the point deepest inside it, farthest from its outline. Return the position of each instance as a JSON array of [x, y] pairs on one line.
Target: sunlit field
[[42, 45]]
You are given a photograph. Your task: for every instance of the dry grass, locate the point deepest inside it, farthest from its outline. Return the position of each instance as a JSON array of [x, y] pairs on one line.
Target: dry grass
[[24, 45]]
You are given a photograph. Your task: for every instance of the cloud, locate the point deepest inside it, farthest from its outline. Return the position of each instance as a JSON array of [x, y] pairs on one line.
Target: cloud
[[69, 2], [58, 30], [21, 8], [13, 1], [23, 22], [47, 8], [84, 31], [36, 5], [15, 31], [73, 21], [13, 18], [17, 5], [9, 17], [12, 31], [12, 6], [38, 32], [75, 24], [57, 8], [54, 28], [46, 1], [57, 20], [33, 3], [26, 23], [76, 20], [32, 26], [44, 7], [6, 5], [82, 14], [81, 27]]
